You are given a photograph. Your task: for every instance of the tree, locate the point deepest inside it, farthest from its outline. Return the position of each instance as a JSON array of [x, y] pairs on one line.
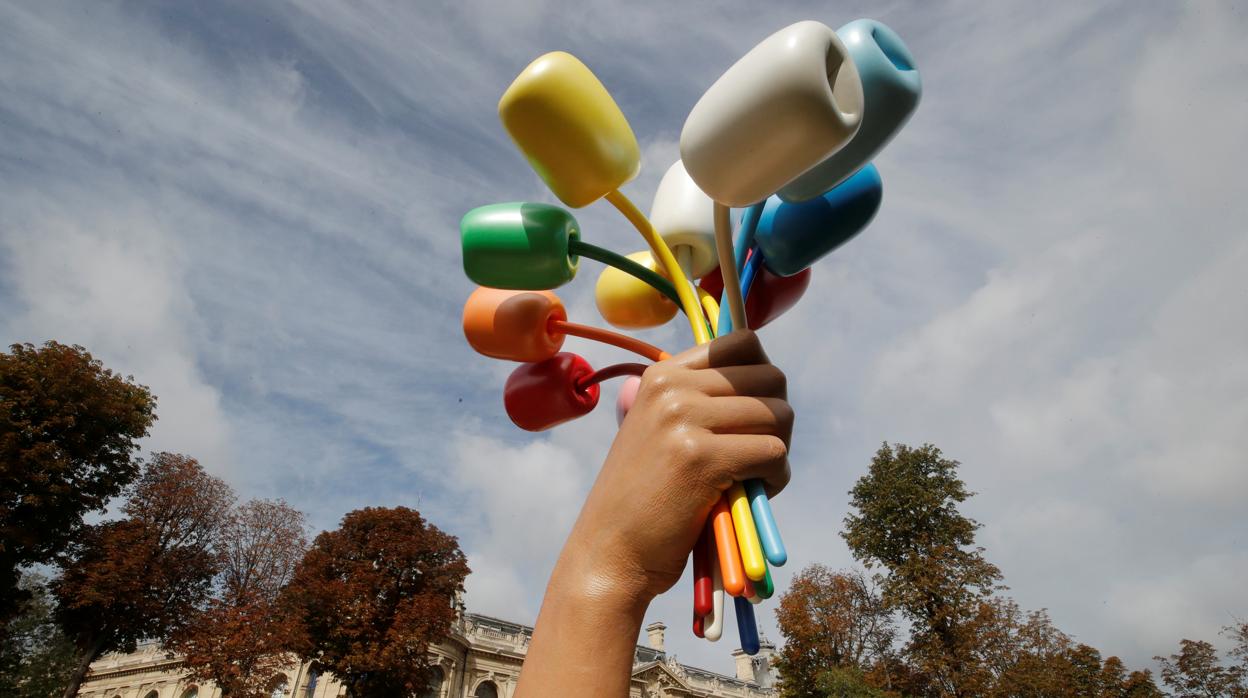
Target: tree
[[372, 595], [1196, 672], [1016, 653], [1239, 635], [69, 431], [846, 681], [147, 574], [36, 659], [1140, 685], [908, 524], [830, 620], [239, 641]]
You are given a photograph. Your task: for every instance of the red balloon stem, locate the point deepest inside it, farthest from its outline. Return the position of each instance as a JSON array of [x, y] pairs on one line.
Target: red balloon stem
[[609, 372]]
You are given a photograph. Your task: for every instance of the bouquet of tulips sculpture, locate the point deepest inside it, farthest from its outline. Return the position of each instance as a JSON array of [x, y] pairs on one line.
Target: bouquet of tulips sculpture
[[787, 134]]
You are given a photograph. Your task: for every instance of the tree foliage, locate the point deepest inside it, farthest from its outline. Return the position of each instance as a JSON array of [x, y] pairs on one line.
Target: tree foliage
[[907, 523], [372, 595], [36, 659], [1195, 671], [964, 638], [830, 621], [1017, 653], [69, 431], [240, 640], [146, 575]]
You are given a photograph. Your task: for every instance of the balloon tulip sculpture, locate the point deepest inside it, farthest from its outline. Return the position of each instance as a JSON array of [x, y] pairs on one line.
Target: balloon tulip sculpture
[[787, 133]]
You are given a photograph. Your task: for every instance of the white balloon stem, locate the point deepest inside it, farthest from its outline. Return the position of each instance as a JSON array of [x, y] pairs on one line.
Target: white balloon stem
[[728, 266]]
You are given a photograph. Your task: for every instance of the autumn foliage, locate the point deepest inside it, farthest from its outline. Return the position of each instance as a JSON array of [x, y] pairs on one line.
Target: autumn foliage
[[831, 620], [1196, 671], [240, 641], [370, 597], [69, 431], [146, 575]]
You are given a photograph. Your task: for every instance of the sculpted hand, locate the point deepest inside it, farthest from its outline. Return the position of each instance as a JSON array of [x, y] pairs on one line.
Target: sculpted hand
[[710, 416]]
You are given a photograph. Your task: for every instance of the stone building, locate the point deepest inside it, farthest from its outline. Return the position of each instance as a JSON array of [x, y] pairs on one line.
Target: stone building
[[480, 658]]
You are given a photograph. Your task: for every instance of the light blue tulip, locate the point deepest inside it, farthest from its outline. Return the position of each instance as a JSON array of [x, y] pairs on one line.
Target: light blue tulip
[[891, 89]]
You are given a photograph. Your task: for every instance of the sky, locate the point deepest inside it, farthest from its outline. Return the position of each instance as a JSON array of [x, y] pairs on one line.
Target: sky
[[253, 208]]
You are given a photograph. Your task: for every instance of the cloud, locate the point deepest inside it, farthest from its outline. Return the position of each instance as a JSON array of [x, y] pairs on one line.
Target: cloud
[[253, 208], [116, 289]]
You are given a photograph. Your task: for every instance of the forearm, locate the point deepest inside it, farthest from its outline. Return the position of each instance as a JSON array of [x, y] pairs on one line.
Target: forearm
[[586, 632]]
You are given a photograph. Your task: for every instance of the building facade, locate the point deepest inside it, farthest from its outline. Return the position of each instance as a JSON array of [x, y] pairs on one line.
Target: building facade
[[480, 658]]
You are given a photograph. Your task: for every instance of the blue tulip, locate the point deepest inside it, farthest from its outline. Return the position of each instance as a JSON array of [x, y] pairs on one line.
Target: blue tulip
[[793, 236], [891, 89]]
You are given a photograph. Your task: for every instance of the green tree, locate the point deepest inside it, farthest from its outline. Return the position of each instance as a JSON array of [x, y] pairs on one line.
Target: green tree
[[906, 522], [145, 576], [36, 659], [69, 431], [372, 596]]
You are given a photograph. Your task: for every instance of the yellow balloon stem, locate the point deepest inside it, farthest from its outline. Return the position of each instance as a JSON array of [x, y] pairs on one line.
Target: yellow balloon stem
[[728, 267], [711, 307], [684, 257], [693, 311], [747, 536]]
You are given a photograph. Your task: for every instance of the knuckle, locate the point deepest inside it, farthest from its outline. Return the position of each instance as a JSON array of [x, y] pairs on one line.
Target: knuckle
[[675, 409], [774, 450], [687, 448], [749, 339], [656, 379], [779, 380], [784, 415]]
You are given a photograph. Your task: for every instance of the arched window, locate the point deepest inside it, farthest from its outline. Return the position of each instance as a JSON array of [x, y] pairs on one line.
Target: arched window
[[313, 675], [436, 677], [152, 694], [279, 687], [192, 692], [486, 690]]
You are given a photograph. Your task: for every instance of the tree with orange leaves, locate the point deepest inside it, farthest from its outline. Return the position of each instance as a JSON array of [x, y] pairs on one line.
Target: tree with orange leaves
[[144, 576], [69, 433], [240, 640], [830, 621], [370, 597]]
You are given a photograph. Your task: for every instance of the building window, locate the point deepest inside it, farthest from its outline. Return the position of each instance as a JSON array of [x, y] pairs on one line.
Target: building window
[[152, 694], [313, 675], [192, 692], [486, 690], [280, 685], [436, 677]]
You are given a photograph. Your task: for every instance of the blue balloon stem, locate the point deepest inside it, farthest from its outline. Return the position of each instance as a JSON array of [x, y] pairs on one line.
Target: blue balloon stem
[[744, 241], [747, 627], [768, 532]]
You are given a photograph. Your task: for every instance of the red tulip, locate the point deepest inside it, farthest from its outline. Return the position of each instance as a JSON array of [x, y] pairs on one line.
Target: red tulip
[[770, 297], [544, 394]]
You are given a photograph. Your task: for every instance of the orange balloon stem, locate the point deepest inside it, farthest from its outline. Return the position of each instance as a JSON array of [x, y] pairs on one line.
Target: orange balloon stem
[[598, 334], [726, 546]]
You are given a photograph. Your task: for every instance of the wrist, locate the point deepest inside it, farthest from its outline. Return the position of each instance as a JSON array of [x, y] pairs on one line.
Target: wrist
[[593, 575]]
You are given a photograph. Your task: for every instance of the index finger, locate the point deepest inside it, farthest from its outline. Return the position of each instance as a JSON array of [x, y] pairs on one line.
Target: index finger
[[738, 348]]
